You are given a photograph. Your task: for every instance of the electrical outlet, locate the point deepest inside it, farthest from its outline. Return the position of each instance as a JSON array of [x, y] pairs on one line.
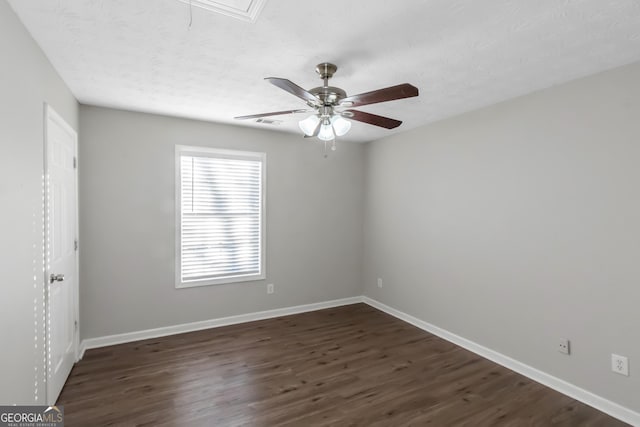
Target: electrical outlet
[[379, 282], [620, 365], [563, 346], [270, 288]]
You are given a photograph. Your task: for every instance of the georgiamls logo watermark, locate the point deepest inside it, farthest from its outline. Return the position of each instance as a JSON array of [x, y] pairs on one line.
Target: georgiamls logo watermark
[[31, 416]]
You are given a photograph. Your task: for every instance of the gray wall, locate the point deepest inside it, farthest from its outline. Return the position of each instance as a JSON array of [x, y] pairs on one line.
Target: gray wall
[[127, 222], [27, 81], [517, 225]]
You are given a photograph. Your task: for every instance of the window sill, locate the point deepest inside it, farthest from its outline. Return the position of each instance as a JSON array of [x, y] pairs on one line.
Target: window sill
[[221, 281]]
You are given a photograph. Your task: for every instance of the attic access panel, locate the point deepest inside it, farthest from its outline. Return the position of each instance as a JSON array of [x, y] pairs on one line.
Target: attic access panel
[[244, 10]]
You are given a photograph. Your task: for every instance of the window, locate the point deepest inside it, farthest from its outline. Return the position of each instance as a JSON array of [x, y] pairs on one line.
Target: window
[[219, 216]]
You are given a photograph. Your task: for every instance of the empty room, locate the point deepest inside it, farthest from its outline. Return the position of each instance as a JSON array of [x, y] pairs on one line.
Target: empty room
[[334, 213]]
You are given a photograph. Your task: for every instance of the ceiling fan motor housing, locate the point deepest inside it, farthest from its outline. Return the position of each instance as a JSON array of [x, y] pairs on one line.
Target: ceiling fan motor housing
[[329, 95]]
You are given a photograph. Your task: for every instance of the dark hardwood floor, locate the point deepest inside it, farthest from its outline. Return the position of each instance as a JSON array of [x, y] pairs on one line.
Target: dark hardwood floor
[[347, 366]]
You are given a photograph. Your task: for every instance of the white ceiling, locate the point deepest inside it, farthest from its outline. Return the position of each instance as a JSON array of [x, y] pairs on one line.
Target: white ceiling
[[461, 54]]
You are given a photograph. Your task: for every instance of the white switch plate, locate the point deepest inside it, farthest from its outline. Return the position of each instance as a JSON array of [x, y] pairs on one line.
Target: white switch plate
[[620, 365], [270, 289], [379, 282]]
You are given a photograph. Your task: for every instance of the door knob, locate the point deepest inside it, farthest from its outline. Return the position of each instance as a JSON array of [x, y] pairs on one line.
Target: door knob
[[56, 278]]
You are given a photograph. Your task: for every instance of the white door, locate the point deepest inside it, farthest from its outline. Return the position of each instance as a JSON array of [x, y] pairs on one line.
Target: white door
[[61, 268]]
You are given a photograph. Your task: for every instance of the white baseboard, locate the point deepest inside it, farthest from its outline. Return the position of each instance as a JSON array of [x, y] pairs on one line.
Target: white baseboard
[[584, 396], [81, 349], [211, 323]]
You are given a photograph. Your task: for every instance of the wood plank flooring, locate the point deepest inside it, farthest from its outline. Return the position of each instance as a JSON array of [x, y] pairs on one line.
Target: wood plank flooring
[[347, 366]]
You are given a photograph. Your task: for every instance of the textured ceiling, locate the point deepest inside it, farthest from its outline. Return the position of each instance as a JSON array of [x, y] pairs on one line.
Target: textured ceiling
[[461, 54]]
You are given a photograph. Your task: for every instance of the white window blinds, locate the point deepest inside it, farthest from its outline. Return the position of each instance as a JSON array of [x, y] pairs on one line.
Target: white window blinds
[[221, 217]]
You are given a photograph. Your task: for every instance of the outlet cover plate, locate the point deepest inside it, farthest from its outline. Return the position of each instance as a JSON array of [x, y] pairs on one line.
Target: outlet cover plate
[[564, 346], [620, 365]]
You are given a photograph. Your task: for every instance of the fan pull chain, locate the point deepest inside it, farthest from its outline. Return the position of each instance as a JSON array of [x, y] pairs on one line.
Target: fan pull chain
[[190, 15], [332, 147]]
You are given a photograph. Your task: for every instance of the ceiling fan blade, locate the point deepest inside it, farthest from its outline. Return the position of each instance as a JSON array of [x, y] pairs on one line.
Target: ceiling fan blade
[[294, 89], [372, 119], [404, 90], [275, 113]]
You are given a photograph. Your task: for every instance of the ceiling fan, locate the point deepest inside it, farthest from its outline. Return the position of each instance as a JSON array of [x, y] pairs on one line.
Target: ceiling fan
[[331, 107]]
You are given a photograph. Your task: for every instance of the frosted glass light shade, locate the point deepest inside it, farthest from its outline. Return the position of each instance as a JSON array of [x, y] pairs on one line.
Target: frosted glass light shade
[[308, 125], [340, 125], [326, 132]]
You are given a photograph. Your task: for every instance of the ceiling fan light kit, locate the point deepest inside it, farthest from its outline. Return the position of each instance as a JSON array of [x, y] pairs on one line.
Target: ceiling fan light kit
[[340, 125], [326, 131], [331, 114], [309, 125]]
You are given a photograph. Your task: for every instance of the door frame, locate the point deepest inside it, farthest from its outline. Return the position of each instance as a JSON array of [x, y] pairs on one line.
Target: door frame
[[51, 114]]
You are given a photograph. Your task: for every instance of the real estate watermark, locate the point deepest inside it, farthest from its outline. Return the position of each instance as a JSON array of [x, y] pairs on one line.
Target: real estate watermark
[[32, 416]]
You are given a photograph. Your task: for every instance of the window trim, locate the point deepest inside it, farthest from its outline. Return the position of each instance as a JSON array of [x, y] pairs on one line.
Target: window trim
[[189, 150]]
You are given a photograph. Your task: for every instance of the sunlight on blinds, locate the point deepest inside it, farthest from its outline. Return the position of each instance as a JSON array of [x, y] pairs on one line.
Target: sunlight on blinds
[[221, 214]]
